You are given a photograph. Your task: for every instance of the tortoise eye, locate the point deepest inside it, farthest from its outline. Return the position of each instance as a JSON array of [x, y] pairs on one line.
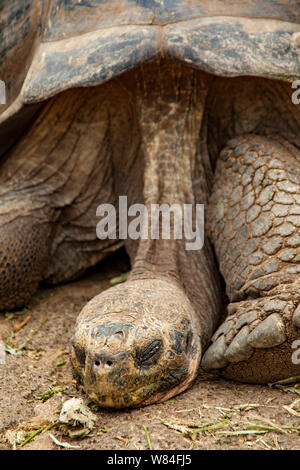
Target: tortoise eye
[[189, 342], [151, 353]]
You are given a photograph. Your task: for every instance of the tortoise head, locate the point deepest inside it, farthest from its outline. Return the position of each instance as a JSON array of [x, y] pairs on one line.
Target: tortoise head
[[135, 344]]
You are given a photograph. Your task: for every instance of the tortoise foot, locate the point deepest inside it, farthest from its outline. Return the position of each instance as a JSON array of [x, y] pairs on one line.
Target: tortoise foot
[[256, 341]]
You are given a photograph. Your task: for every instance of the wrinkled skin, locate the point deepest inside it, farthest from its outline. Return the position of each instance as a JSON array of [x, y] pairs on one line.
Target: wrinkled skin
[[155, 134], [152, 316]]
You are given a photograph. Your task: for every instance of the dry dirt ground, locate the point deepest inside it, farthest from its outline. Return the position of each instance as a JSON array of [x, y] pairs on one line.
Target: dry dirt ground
[[213, 414]]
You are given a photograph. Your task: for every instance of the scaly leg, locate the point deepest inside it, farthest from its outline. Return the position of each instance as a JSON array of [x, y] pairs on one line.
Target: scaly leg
[[25, 239], [254, 218]]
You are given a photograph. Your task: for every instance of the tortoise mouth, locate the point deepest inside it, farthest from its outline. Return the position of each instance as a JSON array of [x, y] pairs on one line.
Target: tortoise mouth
[[124, 383], [154, 389], [139, 396]]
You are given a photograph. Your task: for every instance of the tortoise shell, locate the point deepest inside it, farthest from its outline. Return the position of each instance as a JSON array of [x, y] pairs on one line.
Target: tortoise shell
[[48, 46]]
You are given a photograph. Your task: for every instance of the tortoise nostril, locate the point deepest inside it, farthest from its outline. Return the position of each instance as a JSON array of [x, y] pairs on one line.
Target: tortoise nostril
[[107, 364]]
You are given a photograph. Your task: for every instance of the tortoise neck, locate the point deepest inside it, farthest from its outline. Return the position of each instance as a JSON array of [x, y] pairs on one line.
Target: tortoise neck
[[170, 99], [170, 102]]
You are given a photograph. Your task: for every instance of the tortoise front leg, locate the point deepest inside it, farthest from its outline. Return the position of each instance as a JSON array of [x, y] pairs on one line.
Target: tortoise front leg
[[254, 224], [25, 240], [51, 183]]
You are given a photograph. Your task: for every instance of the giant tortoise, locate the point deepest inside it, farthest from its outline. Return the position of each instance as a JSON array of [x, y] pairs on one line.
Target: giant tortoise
[[182, 102]]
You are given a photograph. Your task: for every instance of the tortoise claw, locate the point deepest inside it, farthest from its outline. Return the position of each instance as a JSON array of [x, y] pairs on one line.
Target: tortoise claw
[[239, 349], [269, 333], [214, 357], [259, 330]]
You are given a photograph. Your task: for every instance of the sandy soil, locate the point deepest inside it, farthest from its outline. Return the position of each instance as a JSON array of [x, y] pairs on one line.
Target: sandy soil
[[213, 414]]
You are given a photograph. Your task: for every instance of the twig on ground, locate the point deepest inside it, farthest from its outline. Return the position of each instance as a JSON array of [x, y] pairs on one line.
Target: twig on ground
[[62, 444], [33, 333], [39, 431], [148, 438], [19, 325], [122, 278]]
